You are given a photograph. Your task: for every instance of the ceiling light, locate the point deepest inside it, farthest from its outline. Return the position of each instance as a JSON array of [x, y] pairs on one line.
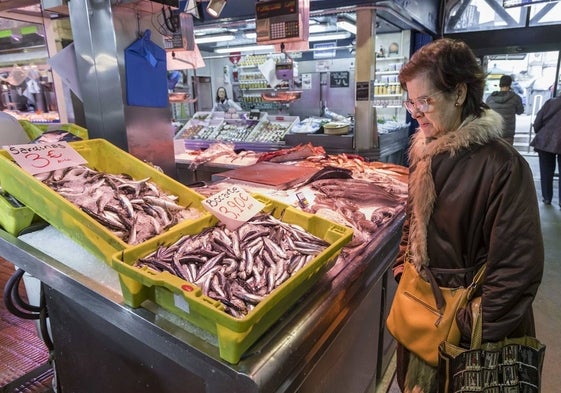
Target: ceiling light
[[327, 37], [320, 28], [244, 48], [214, 38], [346, 25], [215, 7], [210, 30]]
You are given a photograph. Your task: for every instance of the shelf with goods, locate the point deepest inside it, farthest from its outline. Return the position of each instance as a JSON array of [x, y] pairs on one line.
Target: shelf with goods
[[386, 85], [388, 92], [250, 83], [388, 97]]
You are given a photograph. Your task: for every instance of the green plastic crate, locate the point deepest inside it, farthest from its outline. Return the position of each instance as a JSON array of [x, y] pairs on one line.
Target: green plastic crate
[[71, 220], [234, 335], [34, 131], [15, 219]]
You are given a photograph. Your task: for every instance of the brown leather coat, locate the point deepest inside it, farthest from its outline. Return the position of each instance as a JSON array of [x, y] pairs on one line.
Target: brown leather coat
[[472, 200]]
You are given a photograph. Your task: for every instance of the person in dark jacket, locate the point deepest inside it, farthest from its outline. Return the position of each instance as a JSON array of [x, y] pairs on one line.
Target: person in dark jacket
[[508, 104], [471, 201], [547, 143]]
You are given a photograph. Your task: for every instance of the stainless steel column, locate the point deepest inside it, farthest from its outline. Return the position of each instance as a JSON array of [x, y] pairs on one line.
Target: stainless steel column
[[101, 34], [98, 69]]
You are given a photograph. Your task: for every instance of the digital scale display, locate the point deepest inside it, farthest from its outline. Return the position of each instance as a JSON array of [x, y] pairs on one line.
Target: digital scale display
[[278, 21], [276, 8]]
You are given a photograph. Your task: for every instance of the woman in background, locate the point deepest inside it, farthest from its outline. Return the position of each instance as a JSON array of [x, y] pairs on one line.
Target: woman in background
[[471, 201], [223, 104]]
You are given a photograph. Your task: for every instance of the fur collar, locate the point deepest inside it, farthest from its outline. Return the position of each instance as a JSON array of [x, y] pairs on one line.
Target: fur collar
[[473, 131]]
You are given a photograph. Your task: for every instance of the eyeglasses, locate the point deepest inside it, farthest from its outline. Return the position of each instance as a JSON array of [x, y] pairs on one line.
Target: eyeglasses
[[419, 104]]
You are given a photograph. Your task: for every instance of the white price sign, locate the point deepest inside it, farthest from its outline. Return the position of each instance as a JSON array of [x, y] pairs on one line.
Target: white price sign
[[45, 157], [233, 206]]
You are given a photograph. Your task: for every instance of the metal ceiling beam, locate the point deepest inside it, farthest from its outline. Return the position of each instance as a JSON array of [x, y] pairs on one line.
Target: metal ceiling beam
[[543, 12], [534, 39], [14, 4], [501, 12], [454, 19], [21, 17]]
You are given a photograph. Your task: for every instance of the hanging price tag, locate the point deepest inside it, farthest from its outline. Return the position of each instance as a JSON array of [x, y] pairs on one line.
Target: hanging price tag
[[45, 157], [233, 206]]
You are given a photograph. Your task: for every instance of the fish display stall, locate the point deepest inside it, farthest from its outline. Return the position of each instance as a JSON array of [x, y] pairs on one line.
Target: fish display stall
[[292, 301]]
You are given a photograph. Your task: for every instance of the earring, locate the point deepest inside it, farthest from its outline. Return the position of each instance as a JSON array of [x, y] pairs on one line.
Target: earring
[[457, 104]]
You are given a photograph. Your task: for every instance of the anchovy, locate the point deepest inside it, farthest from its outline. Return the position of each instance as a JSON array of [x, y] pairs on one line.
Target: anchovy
[[240, 268], [139, 205]]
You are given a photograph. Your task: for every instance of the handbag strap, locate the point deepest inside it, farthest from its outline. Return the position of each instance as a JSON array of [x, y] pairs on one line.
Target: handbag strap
[[437, 292], [438, 297], [477, 280], [477, 323]]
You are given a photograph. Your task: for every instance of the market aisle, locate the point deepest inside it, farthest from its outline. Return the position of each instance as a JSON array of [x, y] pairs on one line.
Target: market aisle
[[548, 300]]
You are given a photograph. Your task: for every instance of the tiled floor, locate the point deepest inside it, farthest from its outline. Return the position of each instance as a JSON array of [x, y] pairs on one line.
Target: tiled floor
[[23, 355]]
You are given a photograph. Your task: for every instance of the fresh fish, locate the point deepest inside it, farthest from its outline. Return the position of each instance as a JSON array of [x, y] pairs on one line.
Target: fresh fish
[[239, 268]]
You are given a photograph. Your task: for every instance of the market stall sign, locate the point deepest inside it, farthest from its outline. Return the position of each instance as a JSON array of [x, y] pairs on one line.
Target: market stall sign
[[235, 57], [339, 79], [45, 157], [233, 206], [362, 89]]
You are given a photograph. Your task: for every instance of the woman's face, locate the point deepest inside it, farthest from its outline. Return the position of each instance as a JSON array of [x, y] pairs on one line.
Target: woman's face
[[441, 114], [221, 93]]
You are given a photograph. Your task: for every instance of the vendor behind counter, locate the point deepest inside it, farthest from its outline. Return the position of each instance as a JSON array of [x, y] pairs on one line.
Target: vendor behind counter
[[223, 104]]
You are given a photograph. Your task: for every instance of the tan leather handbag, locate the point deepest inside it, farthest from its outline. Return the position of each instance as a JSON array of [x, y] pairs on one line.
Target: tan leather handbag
[[423, 314]]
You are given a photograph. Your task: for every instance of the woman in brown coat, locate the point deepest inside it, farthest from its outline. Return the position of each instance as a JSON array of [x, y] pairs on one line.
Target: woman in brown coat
[[471, 200]]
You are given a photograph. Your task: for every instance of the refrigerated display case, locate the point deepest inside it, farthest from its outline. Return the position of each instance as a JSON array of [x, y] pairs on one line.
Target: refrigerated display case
[[256, 131]]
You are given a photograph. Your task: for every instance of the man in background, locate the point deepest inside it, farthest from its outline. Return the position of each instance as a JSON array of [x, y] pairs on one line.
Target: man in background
[[508, 104]]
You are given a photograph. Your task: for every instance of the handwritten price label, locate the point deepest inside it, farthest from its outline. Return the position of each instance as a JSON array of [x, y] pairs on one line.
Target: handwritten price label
[[233, 206], [45, 157]]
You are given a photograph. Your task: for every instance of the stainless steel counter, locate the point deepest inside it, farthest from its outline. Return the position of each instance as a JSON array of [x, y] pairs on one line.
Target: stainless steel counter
[[332, 340]]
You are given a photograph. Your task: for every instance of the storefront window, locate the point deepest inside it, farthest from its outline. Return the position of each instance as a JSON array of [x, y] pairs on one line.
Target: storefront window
[[475, 15], [478, 15], [534, 75], [545, 14]]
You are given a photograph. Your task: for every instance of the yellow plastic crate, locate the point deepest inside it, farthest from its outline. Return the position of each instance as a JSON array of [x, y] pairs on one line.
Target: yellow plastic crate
[[70, 219], [34, 131], [186, 300]]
